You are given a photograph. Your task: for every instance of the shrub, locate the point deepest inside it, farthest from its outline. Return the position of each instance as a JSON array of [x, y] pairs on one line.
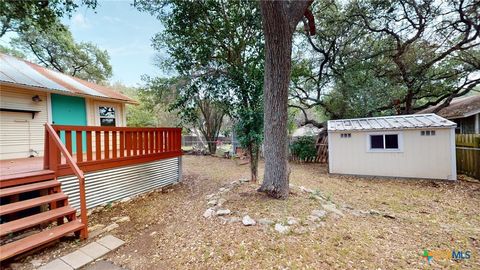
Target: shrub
[[303, 148]]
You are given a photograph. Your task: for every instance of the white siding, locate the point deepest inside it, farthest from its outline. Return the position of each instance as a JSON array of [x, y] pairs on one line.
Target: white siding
[[18, 131], [421, 156]]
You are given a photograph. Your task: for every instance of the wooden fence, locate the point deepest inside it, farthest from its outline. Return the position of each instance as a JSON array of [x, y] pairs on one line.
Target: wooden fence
[[468, 154]]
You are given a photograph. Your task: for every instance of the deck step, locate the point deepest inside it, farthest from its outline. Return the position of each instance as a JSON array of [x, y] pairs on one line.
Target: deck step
[[25, 178], [30, 221], [26, 204], [28, 187], [14, 248]]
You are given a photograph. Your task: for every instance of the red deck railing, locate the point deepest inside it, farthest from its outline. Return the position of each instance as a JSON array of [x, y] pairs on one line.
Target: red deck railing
[[98, 148]]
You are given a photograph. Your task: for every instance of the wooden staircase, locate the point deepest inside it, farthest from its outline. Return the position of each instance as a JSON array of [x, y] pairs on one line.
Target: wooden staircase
[[33, 212]]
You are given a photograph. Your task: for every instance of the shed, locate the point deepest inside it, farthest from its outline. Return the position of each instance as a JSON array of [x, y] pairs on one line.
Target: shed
[[412, 146], [32, 95]]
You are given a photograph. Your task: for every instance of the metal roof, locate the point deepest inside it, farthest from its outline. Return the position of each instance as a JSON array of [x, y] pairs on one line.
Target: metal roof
[[23, 73], [391, 123]]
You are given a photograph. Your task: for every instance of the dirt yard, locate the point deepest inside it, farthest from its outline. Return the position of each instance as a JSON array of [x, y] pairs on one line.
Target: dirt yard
[[376, 223]]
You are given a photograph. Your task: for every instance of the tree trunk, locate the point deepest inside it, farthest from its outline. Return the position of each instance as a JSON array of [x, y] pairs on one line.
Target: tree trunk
[[253, 151], [278, 50], [279, 21]]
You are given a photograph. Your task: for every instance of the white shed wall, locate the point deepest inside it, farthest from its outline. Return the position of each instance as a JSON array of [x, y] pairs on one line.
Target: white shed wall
[[18, 131], [421, 156]]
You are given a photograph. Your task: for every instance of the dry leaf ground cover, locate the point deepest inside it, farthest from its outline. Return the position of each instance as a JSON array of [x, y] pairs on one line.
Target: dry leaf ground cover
[[167, 230]]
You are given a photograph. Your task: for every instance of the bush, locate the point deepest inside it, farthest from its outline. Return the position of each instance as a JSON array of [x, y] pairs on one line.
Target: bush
[[303, 148]]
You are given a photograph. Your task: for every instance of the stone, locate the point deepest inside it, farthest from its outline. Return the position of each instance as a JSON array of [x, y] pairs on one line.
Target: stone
[[221, 201], [94, 250], [319, 213], [208, 197], [234, 183], [390, 216], [223, 212], [282, 229], [124, 219], [111, 227], [96, 227], [234, 220], [104, 265], [248, 221], [36, 263], [56, 264], [111, 242], [265, 221], [332, 208], [212, 202], [313, 218], [244, 180], [208, 213], [374, 212], [153, 233], [306, 190], [125, 199], [300, 230], [292, 221], [77, 259]]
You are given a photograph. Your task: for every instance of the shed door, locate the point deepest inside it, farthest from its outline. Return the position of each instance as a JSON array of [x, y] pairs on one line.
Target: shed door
[[68, 110]]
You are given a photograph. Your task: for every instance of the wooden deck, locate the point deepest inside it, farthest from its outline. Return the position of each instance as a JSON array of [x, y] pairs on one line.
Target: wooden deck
[[20, 165]]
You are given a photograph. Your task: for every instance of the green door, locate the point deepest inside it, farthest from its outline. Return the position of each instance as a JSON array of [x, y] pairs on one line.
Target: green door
[[68, 110]]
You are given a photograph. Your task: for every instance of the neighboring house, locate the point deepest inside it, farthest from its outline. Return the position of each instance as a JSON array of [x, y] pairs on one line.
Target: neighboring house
[[307, 130], [465, 111], [32, 95], [416, 146]]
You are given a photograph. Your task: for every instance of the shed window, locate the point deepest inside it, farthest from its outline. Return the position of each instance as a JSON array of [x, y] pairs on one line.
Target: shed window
[[384, 142], [107, 116]]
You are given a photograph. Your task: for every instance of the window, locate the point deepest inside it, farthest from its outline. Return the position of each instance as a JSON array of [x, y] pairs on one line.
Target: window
[[384, 142], [427, 133], [107, 116], [345, 135]]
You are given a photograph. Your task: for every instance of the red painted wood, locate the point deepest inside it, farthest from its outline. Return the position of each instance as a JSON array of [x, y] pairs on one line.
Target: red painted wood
[[98, 146], [68, 141], [79, 143], [128, 143], [28, 187], [114, 144], [26, 204], [122, 143], [106, 144], [25, 178], [89, 145], [14, 248]]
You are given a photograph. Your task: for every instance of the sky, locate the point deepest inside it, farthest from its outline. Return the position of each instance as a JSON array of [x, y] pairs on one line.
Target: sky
[[116, 26]]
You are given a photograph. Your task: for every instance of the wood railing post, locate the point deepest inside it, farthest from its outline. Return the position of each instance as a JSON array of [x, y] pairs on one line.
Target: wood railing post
[[46, 149], [83, 207]]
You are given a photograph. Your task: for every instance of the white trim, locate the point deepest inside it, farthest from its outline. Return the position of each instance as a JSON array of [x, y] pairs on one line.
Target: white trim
[[477, 123], [330, 151], [385, 150], [453, 156], [115, 106], [49, 108]]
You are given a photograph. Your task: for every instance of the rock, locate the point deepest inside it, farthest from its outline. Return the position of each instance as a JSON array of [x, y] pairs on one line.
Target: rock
[[15, 266], [212, 202], [248, 221], [208, 213], [123, 219], [222, 189], [125, 199], [244, 180], [36, 263], [234, 183], [306, 190], [282, 229], [319, 213], [292, 221], [111, 227], [265, 221], [374, 212], [332, 208], [153, 233], [313, 218], [391, 216], [208, 197], [96, 227], [234, 220], [223, 212], [221, 201]]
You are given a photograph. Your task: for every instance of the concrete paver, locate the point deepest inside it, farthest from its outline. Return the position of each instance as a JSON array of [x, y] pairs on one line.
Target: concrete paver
[[94, 250], [56, 264], [110, 242], [77, 259]]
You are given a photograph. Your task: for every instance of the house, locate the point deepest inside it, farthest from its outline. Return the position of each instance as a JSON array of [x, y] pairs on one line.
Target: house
[[64, 148], [464, 111], [32, 95], [416, 146]]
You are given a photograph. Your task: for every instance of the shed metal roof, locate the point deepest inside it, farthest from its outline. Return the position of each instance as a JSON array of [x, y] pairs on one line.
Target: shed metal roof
[[391, 123], [23, 73]]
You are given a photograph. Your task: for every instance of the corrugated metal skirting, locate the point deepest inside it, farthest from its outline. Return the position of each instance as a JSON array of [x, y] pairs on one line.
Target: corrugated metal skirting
[[118, 183]]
